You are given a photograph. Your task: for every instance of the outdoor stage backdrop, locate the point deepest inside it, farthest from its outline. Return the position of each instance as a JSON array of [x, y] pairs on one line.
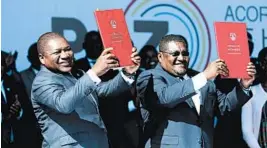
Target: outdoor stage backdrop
[[24, 21]]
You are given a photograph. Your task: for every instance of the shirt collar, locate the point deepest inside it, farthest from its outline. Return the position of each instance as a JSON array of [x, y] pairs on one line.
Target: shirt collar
[[35, 70], [186, 77]]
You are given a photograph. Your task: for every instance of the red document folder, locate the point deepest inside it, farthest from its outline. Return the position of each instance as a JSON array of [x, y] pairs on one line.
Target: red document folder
[[232, 46], [114, 33]]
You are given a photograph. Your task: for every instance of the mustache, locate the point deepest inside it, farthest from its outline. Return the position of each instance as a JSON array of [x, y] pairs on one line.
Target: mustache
[[66, 60], [180, 62]]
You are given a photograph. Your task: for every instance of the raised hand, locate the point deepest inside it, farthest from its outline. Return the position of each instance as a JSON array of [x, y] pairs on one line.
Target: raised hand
[[136, 60], [215, 68], [105, 62], [15, 108], [251, 70]]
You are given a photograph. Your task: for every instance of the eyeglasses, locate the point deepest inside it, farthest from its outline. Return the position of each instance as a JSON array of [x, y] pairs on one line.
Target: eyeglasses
[[177, 53]]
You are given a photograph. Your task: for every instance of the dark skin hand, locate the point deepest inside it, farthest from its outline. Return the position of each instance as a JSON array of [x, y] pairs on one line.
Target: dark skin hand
[[14, 108]]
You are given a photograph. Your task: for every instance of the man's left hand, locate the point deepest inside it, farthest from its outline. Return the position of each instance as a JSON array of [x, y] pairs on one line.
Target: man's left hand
[[136, 60], [15, 108], [251, 70]]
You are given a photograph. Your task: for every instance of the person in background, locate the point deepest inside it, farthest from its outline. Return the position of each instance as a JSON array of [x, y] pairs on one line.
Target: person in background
[[27, 77], [10, 59], [254, 112], [11, 111], [149, 57], [93, 47], [67, 108], [28, 74], [251, 49], [190, 100], [17, 121]]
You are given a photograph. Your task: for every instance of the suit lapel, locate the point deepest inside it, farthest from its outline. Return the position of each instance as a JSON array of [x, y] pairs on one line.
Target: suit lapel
[[190, 73], [203, 94], [31, 76], [191, 104], [190, 101], [94, 100], [71, 78]]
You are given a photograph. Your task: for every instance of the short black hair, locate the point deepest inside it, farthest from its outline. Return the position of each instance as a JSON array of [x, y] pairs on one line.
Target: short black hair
[[44, 38], [92, 36], [163, 44], [262, 54], [146, 49]]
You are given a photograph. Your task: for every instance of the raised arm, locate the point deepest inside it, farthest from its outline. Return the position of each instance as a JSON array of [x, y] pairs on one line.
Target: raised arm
[[234, 99], [169, 95], [48, 92], [113, 87], [123, 81], [239, 95]]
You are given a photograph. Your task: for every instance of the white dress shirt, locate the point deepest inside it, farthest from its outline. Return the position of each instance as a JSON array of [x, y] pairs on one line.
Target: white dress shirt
[[198, 82], [251, 116], [97, 80]]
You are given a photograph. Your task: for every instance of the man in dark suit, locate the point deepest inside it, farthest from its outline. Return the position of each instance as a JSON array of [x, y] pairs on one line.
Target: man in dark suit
[[20, 126], [10, 109], [67, 108], [28, 74], [191, 101]]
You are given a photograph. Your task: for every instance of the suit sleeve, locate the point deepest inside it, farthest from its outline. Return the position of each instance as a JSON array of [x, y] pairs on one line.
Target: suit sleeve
[[168, 95], [247, 126], [113, 87], [228, 102], [47, 91]]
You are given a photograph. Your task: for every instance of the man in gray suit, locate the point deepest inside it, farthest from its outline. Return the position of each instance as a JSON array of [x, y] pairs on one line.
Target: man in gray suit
[[189, 100], [67, 108]]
